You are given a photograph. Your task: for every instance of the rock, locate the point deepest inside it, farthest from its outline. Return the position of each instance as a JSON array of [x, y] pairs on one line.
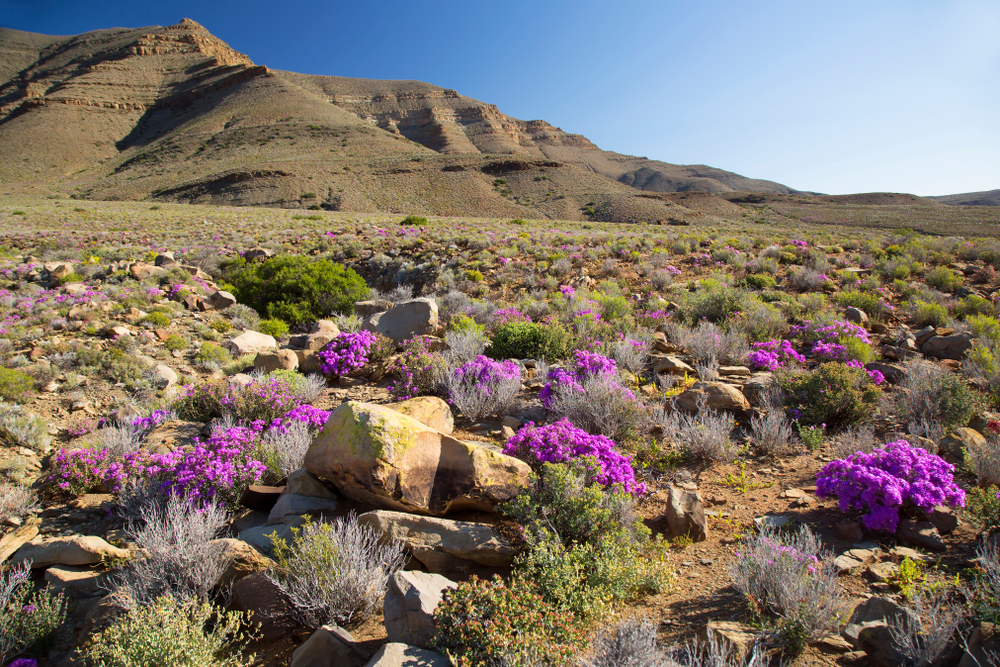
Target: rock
[[944, 519], [734, 371], [259, 537], [221, 300], [58, 270], [983, 646], [330, 646], [16, 538], [771, 521], [77, 579], [365, 309], [921, 534], [442, 545], [100, 616], [195, 302], [876, 641], [755, 388], [260, 498], [870, 613], [312, 341], [948, 347], [166, 260], [428, 410], [405, 320], [856, 315], [251, 342], [409, 605], [893, 374], [163, 376], [850, 531], [119, 331], [74, 550], [847, 564], [402, 655], [279, 360], [254, 254], [686, 514], [376, 455], [737, 639], [883, 571], [304, 483], [670, 364], [143, 271], [271, 611], [76, 289], [923, 336], [173, 434], [721, 396], [309, 361], [293, 505], [952, 446], [243, 560]]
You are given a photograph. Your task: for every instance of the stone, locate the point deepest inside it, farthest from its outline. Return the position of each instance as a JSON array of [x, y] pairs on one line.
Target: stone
[[948, 347], [16, 538], [279, 360], [251, 342], [876, 641], [952, 446], [734, 371], [58, 270], [261, 498], [771, 521], [174, 434], [271, 611], [408, 608], [221, 300], [944, 519], [405, 320], [254, 254], [365, 309], [983, 646], [893, 374], [165, 260], [442, 545], [376, 455], [292, 505], [907, 552], [330, 646], [73, 550], [304, 483], [856, 315], [143, 271], [259, 537], [883, 571], [736, 639], [401, 655], [77, 579], [847, 564], [920, 534], [163, 376], [756, 387], [119, 331], [195, 302], [243, 560], [923, 336], [850, 531], [309, 361], [428, 410], [719, 395], [670, 364], [870, 613], [685, 514]]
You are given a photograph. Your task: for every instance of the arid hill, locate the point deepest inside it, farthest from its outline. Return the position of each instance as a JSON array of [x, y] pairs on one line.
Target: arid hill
[[172, 113], [988, 198]]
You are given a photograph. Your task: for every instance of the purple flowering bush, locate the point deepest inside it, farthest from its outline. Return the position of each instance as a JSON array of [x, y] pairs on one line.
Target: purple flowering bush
[[483, 386], [774, 354], [586, 365], [418, 371], [346, 353], [834, 394], [896, 477], [561, 442]]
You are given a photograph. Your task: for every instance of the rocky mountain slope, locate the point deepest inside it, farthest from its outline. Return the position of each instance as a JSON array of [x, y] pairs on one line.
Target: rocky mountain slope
[[988, 198], [172, 113]]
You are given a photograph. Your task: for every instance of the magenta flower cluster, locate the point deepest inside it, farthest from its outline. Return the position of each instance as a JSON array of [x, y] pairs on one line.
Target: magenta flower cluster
[[346, 353], [505, 315], [561, 442], [811, 331], [585, 365], [877, 376], [484, 374], [774, 354], [888, 480], [155, 418]]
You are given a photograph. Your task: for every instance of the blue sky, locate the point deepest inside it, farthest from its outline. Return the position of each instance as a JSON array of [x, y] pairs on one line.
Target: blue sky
[[831, 96]]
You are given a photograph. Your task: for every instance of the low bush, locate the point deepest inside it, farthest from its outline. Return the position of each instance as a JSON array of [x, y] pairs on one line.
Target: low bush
[[273, 327], [29, 619], [296, 289], [21, 428], [16, 501], [982, 508], [180, 633], [15, 385], [335, 572], [174, 343], [933, 392], [760, 281], [418, 371], [833, 394], [484, 387], [888, 480], [713, 302], [346, 353], [526, 340], [703, 434], [212, 357], [928, 314], [708, 341], [630, 643], [493, 623], [944, 279]]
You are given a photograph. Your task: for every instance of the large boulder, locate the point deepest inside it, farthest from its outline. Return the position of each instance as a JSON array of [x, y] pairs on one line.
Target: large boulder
[[405, 320], [876, 611], [251, 342], [948, 347], [686, 514], [442, 545], [428, 410], [952, 447], [378, 456], [304, 483], [409, 605], [292, 505], [279, 360], [243, 560], [221, 300], [330, 646], [74, 550], [403, 655], [271, 610], [717, 395]]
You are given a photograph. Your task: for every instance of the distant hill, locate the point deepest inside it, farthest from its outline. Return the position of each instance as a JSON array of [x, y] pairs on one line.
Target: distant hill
[[172, 113], [988, 198]]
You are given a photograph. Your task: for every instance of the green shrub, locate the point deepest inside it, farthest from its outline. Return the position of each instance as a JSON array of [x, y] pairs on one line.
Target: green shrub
[[239, 365], [157, 319], [175, 342], [857, 349], [833, 394], [462, 322], [527, 340], [712, 301], [180, 633], [474, 276], [955, 400], [15, 385], [943, 278], [761, 321], [982, 508], [212, 355], [866, 301], [19, 427], [296, 289], [928, 314], [121, 367], [29, 620], [492, 624], [759, 281], [273, 327], [984, 326], [614, 308], [221, 325], [418, 371], [973, 305], [414, 221]]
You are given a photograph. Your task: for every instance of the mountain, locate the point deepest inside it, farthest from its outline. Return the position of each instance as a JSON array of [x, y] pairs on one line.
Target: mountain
[[173, 113], [988, 198]]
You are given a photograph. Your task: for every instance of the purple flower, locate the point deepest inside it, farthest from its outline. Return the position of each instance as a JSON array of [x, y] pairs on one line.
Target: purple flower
[[346, 353]]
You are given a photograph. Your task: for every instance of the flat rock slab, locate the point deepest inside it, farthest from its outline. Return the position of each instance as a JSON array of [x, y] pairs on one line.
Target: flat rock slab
[[402, 655], [409, 605], [74, 550]]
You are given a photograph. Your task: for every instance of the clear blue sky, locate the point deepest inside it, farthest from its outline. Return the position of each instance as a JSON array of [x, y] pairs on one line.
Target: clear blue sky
[[833, 96]]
